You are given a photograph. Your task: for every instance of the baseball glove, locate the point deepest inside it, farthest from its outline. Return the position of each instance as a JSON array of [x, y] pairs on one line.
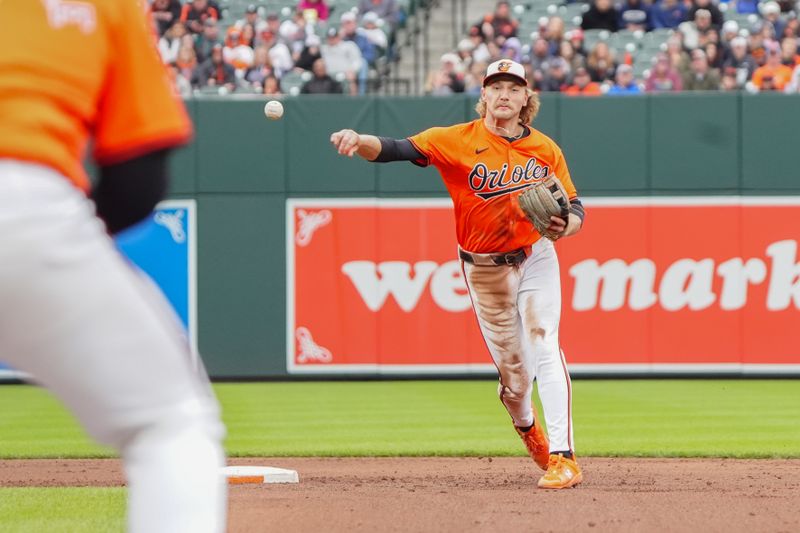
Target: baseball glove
[[541, 201]]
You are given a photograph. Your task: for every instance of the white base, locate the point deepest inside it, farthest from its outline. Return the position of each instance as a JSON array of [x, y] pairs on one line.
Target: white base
[[267, 473]]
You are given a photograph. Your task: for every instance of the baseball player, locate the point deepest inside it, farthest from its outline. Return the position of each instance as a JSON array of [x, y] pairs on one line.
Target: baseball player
[[511, 271], [74, 315]]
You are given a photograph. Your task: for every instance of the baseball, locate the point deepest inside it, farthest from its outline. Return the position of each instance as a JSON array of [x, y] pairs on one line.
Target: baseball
[[273, 110]]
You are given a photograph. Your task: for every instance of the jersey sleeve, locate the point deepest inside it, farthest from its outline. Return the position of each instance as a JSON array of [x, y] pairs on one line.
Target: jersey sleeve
[[138, 111], [434, 145]]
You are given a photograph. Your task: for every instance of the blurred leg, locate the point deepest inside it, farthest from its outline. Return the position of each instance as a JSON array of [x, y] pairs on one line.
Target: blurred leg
[[101, 338]]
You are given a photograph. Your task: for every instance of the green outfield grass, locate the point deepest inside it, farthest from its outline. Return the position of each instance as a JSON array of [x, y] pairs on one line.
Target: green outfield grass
[[658, 418], [62, 510]]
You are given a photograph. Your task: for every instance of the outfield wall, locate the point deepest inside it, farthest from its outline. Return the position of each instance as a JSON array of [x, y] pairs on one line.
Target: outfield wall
[[242, 170]]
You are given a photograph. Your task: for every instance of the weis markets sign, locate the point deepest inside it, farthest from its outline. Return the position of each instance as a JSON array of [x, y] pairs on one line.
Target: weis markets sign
[[694, 284]]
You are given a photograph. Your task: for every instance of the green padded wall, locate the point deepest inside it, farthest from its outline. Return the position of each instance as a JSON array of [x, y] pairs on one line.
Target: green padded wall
[[770, 126], [694, 144]]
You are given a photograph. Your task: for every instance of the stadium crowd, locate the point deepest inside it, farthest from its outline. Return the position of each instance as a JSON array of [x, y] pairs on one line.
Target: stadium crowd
[[631, 47], [294, 50]]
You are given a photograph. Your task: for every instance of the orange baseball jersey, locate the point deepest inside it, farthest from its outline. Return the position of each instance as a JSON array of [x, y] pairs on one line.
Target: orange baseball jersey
[[485, 174], [71, 70]]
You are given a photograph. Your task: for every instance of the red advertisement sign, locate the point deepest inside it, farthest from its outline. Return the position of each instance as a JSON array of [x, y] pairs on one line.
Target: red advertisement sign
[[649, 285]]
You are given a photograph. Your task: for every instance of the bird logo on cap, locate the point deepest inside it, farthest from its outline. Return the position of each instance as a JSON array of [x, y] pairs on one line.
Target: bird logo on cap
[[504, 66]]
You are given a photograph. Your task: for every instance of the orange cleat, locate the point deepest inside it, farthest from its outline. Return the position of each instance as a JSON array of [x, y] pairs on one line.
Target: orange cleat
[[536, 442], [562, 473]]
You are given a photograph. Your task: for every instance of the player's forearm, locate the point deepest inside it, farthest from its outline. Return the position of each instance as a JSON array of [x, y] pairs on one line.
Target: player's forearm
[[369, 146], [574, 224]]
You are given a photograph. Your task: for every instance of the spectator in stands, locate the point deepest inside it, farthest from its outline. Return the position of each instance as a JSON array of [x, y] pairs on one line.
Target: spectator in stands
[[314, 9], [556, 77], [693, 28], [310, 53], [273, 22], [279, 53], [248, 36], [663, 77], [252, 17], [206, 41], [350, 32], [321, 83], [713, 55], [540, 53], [165, 14], [729, 30], [600, 63], [716, 15], [758, 36], [678, 57], [272, 87], [448, 79], [195, 13], [499, 25], [473, 80], [771, 12], [342, 57], [170, 43], [575, 37], [293, 32], [794, 83], [668, 14], [386, 10], [554, 33], [789, 56], [370, 28], [186, 63], [480, 52], [602, 15], [574, 60], [792, 28], [512, 49], [635, 15], [700, 76], [582, 84], [261, 69], [773, 70], [728, 82], [740, 61], [625, 82], [236, 53], [214, 72]]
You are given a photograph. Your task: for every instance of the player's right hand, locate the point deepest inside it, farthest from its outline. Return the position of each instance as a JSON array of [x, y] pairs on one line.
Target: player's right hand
[[346, 142]]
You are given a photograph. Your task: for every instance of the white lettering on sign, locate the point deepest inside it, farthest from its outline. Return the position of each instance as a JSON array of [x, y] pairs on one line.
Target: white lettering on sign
[[686, 284]]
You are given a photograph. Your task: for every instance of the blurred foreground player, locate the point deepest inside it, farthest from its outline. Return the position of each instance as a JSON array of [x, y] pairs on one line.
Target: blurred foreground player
[[73, 314]]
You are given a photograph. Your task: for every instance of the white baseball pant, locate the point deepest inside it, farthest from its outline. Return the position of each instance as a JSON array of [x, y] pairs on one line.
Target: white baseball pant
[[102, 338], [518, 310]]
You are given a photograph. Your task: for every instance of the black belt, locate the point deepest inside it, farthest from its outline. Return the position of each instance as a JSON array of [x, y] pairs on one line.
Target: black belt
[[511, 258]]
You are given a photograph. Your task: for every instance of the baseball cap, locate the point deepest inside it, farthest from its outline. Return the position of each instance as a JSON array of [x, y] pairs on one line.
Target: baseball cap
[[770, 7], [370, 17], [251, 9], [347, 16], [332, 32], [505, 67]]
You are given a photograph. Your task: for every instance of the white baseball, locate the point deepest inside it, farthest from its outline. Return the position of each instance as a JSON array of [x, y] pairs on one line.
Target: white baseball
[[273, 110]]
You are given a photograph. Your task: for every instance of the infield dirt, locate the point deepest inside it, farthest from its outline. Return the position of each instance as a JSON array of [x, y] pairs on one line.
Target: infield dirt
[[485, 494]]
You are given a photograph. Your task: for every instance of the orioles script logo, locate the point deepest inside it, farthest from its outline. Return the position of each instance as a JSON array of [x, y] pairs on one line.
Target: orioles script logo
[[490, 183], [504, 66]]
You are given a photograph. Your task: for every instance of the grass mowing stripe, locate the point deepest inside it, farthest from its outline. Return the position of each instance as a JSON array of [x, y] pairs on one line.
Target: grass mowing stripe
[[658, 418], [62, 509]]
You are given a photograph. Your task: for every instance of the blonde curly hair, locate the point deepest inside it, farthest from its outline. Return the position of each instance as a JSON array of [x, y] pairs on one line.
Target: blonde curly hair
[[526, 114]]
